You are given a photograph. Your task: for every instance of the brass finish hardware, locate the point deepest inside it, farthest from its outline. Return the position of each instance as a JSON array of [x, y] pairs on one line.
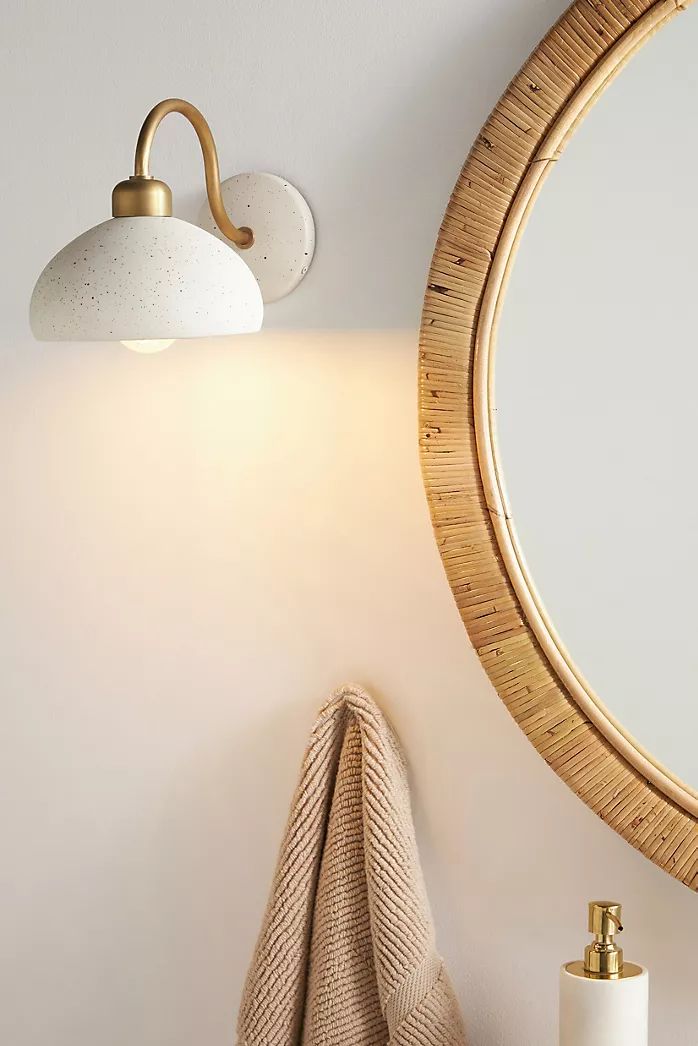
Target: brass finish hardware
[[142, 194], [629, 969], [603, 957]]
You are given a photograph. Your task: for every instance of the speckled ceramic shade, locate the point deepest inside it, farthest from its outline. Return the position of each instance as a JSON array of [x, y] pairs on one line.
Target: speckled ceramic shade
[[145, 278]]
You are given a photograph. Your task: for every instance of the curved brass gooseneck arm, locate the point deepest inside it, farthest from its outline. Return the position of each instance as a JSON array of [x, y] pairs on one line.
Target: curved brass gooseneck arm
[[136, 197]]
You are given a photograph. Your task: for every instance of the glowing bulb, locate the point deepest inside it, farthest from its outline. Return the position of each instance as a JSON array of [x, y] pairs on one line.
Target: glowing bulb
[[151, 345]]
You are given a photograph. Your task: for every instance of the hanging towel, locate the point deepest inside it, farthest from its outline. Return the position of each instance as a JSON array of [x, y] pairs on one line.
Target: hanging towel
[[346, 955]]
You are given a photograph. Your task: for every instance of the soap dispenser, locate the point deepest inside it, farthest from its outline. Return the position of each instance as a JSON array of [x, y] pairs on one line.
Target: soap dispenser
[[603, 999]]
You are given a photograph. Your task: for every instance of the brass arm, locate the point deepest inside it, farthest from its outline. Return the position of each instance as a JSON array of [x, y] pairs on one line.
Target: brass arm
[[142, 194]]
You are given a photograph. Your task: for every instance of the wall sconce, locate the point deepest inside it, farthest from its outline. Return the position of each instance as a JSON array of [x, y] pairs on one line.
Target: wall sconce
[[145, 278]]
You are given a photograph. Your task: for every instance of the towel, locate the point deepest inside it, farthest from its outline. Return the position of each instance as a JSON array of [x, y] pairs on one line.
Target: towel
[[346, 955]]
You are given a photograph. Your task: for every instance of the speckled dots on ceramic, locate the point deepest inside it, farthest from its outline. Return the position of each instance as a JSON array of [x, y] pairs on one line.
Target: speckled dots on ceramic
[[283, 227], [141, 278]]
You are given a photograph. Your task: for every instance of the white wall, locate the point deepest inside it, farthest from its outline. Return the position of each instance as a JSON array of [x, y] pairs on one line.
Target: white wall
[[197, 546]]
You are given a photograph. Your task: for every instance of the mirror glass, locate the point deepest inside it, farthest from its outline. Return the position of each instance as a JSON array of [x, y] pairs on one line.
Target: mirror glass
[[596, 390]]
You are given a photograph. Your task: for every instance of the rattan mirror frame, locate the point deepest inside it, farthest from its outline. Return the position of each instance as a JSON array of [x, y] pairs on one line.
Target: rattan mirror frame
[[517, 644]]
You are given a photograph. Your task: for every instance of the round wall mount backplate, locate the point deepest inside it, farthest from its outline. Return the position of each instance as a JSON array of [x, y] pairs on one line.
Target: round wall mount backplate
[[283, 227]]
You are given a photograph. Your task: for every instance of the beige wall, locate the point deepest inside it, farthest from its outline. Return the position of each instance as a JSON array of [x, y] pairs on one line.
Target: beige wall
[[197, 546]]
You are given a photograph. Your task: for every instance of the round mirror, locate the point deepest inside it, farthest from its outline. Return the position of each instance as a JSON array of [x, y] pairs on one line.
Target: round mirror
[[596, 389], [557, 411]]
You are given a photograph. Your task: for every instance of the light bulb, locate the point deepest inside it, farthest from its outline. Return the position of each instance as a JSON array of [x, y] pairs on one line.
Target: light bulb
[[151, 345]]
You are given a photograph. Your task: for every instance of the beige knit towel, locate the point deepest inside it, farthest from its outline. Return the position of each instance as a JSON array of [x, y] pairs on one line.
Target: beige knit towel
[[346, 955]]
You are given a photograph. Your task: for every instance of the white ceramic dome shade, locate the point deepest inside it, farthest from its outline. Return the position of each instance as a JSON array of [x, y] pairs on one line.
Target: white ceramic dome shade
[[134, 279]]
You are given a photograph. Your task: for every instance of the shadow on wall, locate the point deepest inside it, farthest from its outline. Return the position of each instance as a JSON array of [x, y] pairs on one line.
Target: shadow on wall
[[378, 210], [389, 194], [386, 198]]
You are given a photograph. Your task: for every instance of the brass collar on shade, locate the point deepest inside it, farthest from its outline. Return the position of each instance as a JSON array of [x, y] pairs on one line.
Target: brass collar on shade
[[142, 195]]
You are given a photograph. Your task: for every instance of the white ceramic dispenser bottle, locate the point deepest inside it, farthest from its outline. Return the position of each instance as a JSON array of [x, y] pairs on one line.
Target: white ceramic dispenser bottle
[[603, 1000]]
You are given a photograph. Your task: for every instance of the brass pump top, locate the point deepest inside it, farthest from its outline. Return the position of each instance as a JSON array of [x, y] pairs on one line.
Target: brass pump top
[[603, 957]]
